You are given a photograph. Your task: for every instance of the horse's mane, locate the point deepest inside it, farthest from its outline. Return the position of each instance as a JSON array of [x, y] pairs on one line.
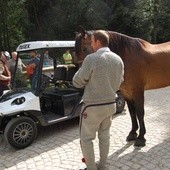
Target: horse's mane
[[119, 42], [78, 43]]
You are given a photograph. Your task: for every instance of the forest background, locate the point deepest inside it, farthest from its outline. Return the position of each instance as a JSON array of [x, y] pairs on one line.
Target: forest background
[[33, 20]]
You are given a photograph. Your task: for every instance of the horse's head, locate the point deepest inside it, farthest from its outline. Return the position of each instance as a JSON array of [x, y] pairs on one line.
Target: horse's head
[[83, 44], [121, 44]]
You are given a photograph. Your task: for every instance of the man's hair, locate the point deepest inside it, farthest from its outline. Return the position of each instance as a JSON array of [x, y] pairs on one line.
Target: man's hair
[[14, 53], [33, 51], [102, 36]]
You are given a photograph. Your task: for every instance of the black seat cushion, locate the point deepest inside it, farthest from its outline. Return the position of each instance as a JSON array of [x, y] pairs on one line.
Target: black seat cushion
[[60, 73], [70, 73]]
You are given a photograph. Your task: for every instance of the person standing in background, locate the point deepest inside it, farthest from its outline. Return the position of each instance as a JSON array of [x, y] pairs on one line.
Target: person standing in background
[[46, 58], [101, 75], [5, 75], [11, 64], [67, 57], [7, 54]]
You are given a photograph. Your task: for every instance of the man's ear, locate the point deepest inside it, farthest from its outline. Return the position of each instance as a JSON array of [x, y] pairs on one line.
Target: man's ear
[[98, 43]]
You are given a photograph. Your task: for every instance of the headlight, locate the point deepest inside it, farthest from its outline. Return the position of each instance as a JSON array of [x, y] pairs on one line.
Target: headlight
[[18, 101]]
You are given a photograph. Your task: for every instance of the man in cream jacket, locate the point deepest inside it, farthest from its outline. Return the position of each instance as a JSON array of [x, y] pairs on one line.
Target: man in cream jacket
[[100, 76]]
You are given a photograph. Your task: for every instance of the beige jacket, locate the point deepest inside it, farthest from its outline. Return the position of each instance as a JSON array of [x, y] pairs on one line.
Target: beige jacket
[[100, 75]]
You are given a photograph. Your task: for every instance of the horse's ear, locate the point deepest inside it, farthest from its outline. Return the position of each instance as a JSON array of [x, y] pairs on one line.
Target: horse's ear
[[76, 33], [82, 31]]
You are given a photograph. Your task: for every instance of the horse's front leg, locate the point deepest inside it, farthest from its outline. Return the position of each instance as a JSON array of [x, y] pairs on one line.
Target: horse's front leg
[[139, 108], [132, 134]]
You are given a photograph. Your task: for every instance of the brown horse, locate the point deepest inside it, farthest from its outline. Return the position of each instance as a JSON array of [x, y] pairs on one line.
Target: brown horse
[[147, 66]]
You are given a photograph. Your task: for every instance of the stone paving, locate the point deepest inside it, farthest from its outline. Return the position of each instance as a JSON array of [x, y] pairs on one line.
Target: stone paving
[[57, 147]]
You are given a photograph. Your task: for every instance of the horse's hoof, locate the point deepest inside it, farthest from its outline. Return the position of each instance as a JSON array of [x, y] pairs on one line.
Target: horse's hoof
[[131, 137], [140, 142]]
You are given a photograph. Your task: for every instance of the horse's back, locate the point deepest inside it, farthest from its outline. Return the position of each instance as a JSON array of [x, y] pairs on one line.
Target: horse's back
[[163, 47], [158, 72]]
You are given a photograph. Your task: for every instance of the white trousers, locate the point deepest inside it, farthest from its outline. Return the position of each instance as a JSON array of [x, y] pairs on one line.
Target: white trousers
[[96, 119]]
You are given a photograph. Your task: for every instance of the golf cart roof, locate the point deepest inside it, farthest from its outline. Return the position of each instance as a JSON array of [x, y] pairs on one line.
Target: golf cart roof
[[35, 45]]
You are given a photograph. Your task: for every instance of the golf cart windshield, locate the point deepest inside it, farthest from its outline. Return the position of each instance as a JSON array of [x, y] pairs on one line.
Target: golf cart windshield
[[37, 62]]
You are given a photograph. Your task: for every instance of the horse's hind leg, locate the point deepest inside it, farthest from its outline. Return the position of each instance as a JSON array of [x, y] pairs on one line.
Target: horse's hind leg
[[132, 135], [139, 108]]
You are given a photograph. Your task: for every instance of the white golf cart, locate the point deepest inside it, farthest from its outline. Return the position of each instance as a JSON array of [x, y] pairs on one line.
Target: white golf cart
[[55, 99]]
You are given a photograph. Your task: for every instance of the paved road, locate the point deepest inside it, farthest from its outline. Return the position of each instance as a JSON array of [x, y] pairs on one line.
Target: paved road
[[57, 147]]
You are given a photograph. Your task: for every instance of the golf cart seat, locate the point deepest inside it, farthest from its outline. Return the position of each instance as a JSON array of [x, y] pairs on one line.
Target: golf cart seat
[[60, 74], [70, 73]]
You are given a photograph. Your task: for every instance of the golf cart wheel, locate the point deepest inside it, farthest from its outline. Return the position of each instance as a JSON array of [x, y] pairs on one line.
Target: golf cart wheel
[[20, 132], [120, 103]]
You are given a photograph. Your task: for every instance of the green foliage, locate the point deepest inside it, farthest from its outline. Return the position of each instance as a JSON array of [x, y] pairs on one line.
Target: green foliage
[[98, 14], [12, 23], [152, 20], [29, 20]]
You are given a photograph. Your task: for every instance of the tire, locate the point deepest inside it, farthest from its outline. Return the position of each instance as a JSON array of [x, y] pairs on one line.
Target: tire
[[120, 103], [20, 132]]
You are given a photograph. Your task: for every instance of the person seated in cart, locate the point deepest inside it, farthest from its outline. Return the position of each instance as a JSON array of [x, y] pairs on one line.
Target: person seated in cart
[[32, 69]]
